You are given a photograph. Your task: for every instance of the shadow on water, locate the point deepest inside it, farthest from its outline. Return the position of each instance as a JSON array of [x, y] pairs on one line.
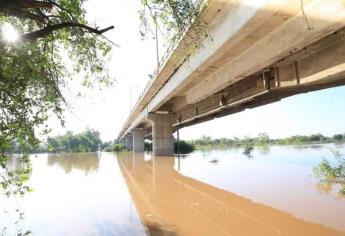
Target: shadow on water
[[170, 203], [86, 162]]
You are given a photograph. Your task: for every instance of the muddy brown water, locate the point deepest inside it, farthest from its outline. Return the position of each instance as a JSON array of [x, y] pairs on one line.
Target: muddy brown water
[[215, 192]]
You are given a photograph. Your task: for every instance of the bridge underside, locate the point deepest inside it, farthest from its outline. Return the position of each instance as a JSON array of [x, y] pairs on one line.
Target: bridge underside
[[256, 54], [319, 66]]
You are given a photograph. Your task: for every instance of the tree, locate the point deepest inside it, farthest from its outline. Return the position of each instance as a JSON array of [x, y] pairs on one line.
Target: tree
[[177, 18], [87, 141], [329, 174], [263, 139], [338, 137], [33, 69]]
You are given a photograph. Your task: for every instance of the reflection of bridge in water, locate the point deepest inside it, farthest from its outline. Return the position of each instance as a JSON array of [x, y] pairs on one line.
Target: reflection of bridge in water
[[172, 204]]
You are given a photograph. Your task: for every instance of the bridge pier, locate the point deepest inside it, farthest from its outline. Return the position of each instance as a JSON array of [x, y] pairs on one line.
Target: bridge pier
[[138, 140], [162, 134], [129, 142]]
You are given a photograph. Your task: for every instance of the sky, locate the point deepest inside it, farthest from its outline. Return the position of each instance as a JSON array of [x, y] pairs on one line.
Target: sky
[[135, 59]]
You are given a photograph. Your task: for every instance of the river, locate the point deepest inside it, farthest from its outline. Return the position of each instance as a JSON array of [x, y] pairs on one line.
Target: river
[[214, 192]]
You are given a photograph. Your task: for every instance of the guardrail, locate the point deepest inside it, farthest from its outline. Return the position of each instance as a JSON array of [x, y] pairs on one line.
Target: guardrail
[[161, 63]]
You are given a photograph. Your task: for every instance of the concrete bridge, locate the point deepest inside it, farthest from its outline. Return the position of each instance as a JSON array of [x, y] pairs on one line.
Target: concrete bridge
[[257, 52]]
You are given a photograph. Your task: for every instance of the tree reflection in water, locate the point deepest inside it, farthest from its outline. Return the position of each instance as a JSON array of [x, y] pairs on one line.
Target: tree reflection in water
[[264, 150], [330, 175], [86, 162]]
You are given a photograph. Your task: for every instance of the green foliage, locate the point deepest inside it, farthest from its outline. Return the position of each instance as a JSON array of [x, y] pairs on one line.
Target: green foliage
[[183, 147], [176, 17], [338, 137], [263, 140], [87, 141], [300, 139], [207, 142], [328, 174], [13, 178], [115, 147], [324, 170], [34, 70]]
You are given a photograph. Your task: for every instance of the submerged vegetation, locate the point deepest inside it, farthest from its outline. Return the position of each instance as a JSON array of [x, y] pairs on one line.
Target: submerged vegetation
[[181, 147], [329, 174]]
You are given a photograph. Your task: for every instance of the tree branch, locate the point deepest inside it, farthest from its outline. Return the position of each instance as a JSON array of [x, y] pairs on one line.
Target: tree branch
[[50, 29]]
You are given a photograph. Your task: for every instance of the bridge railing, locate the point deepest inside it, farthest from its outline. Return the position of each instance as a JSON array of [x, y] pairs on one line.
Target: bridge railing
[[161, 63], [200, 4]]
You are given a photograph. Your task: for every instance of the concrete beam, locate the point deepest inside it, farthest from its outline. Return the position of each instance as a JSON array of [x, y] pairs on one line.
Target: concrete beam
[[162, 134]]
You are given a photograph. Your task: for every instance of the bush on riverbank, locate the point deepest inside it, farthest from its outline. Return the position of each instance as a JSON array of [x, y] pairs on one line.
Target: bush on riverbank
[[115, 147], [184, 147]]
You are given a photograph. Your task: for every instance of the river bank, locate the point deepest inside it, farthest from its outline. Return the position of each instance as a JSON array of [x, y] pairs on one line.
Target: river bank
[[263, 140]]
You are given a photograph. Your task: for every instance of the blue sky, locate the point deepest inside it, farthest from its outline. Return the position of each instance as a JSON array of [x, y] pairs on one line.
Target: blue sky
[[320, 111]]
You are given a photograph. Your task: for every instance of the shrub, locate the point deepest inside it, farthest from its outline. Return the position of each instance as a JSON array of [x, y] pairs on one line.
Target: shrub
[[117, 147], [185, 147]]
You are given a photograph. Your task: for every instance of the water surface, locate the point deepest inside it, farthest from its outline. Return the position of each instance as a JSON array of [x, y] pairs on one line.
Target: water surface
[[216, 192], [223, 192], [75, 194]]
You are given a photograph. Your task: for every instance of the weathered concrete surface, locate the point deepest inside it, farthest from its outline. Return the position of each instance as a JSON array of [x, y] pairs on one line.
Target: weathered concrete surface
[[129, 142], [258, 52], [138, 140], [162, 135]]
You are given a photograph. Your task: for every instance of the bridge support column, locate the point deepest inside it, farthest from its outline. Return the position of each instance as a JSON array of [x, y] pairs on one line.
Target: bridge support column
[[138, 140], [129, 142], [162, 134]]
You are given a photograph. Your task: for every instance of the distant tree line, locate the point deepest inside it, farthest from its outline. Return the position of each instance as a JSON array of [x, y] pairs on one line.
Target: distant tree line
[[86, 141], [89, 141], [263, 139]]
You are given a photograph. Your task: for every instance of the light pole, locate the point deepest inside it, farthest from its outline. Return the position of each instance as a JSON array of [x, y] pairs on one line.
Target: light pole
[[157, 45]]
